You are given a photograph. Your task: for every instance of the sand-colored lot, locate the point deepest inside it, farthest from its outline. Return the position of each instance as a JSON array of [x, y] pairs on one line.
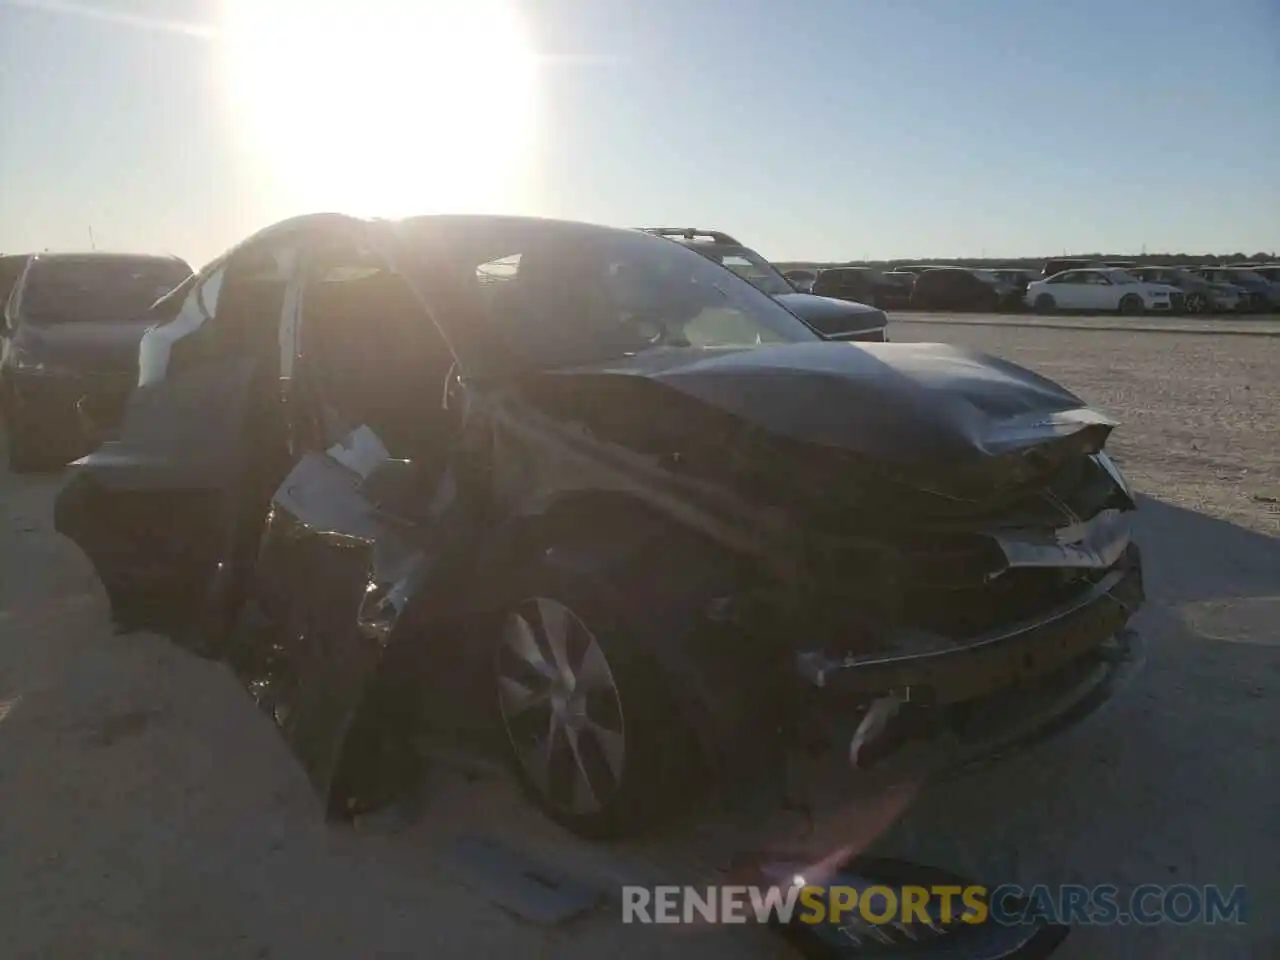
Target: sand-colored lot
[[147, 810]]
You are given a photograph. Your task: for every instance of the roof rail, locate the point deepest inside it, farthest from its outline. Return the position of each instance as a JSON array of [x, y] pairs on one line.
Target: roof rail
[[692, 233]]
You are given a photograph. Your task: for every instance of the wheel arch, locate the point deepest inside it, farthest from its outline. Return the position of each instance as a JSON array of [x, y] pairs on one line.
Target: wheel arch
[[604, 536]]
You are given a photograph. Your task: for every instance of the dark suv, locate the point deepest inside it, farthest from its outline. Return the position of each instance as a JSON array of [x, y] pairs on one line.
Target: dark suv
[[867, 285], [69, 339], [832, 318]]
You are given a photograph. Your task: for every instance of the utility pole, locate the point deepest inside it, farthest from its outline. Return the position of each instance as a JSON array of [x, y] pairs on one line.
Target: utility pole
[[92, 243]]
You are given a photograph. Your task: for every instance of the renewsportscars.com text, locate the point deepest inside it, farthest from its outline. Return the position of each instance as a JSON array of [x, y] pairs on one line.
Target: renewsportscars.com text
[[1075, 904]]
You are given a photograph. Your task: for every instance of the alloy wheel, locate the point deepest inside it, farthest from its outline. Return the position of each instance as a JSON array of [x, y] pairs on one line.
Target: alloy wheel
[[560, 706]]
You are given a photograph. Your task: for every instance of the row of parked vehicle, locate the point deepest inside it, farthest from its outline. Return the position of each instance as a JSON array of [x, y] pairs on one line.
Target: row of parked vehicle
[[588, 488], [72, 322], [1062, 284]]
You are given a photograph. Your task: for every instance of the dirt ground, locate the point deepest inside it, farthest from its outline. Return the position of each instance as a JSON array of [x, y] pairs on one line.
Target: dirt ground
[[147, 810]]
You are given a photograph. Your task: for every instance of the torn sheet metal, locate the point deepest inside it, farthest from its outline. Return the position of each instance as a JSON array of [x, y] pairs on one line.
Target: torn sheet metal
[[1093, 544], [359, 451]]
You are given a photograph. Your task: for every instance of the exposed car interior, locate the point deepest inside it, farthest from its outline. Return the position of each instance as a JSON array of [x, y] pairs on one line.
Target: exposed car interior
[[371, 356]]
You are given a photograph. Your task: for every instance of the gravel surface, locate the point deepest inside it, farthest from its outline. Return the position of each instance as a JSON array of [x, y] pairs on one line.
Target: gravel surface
[[147, 810]]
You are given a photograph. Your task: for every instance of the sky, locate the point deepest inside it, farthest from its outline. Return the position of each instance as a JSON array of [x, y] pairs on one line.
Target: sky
[[809, 129]]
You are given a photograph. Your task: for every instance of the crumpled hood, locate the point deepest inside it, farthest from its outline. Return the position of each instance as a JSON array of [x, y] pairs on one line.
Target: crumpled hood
[[830, 316], [906, 404], [100, 345]]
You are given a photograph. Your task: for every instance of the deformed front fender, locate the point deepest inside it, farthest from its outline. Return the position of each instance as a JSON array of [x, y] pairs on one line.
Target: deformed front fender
[[623, 519]]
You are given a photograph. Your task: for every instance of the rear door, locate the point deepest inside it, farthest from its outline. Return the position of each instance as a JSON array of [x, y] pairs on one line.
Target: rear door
[[159, 510]]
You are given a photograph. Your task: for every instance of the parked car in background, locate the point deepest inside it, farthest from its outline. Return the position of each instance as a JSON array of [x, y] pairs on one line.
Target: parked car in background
[[1264, 296], [802, 280], [962, 288], [905, 281], [1102, 289], [1017, 277], [71, 330], [863, 285], [623, 505], [1271, 271], [834, 319], [1200, 295]]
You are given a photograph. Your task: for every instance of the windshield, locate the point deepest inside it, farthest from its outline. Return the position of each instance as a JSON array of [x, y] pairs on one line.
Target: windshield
[[70, 289], [757, 271], [549, 294]]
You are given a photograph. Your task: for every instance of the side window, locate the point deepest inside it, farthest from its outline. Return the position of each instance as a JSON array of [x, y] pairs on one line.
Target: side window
[[235, 308], [744, 268], [1069, 276], [493, 282], [495, 271]]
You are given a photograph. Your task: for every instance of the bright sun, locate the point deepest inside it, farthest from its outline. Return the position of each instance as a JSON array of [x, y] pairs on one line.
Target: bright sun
[[385, 107]]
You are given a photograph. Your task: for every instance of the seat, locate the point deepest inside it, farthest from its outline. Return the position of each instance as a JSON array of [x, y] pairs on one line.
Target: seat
[[376, 359]]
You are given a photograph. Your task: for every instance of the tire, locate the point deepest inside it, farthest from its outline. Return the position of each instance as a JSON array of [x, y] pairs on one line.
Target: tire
[[1196, 303], [593, 731], [1045, 303], [1131, 305]]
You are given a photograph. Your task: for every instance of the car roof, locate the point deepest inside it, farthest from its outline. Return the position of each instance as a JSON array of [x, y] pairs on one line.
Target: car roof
[[107, 257], [326, 222]]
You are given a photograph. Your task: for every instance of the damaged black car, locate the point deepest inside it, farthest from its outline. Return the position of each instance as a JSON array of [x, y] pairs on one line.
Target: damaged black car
[[664, 522]]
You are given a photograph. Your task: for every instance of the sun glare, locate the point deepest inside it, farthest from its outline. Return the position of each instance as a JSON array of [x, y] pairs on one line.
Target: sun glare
[[384, 107]]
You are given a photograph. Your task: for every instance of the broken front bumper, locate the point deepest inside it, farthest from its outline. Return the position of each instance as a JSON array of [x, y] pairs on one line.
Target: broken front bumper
[[1008, 688]]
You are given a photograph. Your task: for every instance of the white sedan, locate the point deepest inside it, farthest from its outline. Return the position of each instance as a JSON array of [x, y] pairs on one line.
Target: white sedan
[[1102, 289]]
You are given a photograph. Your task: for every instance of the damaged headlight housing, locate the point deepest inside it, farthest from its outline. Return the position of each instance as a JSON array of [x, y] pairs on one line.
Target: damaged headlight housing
[[1104, 460]]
